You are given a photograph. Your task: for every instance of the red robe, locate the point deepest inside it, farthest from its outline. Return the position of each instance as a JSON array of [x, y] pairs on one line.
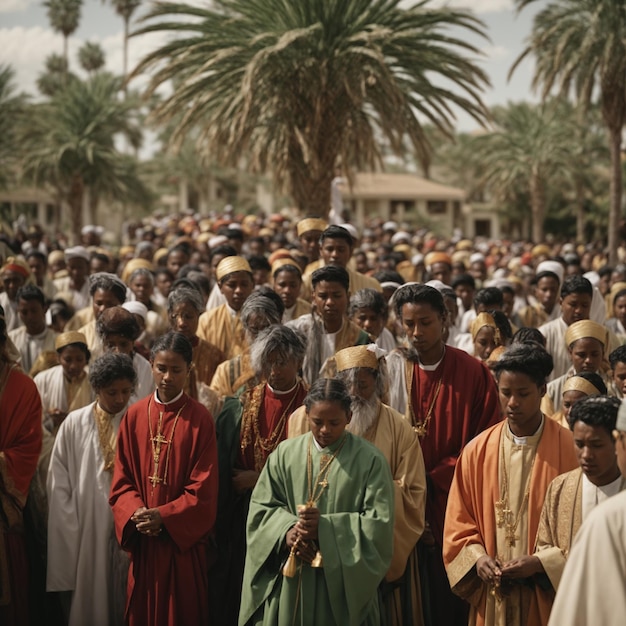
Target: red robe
[[168, 577], [20, 445], [467, 404]]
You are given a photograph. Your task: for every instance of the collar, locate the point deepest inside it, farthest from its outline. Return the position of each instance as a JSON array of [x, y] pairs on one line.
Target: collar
[[172, 401], [282, 393]]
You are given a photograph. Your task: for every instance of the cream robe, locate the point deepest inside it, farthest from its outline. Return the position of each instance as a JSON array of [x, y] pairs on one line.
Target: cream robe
[[594, 578], [395, 438], [11, 318], [53, 386], [222, 327], [81, 537], [82, 317], [44, 343], [145, 379], [77, 299], [561, 518]]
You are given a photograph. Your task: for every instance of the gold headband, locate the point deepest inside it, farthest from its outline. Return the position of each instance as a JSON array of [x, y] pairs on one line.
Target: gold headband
[[231, 264], [584, 329], [356, 356], [66, 339], [578, 383], [485, 319], [309, 224]]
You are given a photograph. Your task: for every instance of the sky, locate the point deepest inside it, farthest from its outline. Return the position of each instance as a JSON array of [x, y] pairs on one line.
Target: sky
[[26, 39]]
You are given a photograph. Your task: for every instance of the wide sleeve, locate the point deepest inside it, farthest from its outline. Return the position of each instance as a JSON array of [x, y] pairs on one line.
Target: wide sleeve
[[409, 485], [547, 550], [269, 519], [463, 543], [357, 546], [220, 383], [191, 516], [63, 523]]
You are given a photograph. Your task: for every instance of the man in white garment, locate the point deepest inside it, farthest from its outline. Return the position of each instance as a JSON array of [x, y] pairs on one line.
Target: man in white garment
[[591, 590], [32, 337], [14, 274], [576, 304], [74, 288]]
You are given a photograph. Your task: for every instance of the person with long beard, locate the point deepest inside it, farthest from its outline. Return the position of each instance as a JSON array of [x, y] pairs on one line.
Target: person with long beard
[[363, 371]]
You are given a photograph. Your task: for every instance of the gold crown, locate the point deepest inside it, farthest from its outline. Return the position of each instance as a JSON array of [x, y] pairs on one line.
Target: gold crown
[[356, 356], [65, 339], [230, 264]]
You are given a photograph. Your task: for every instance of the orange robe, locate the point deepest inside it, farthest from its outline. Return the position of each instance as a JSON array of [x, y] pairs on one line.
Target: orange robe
[[471, 529], [168, 577]]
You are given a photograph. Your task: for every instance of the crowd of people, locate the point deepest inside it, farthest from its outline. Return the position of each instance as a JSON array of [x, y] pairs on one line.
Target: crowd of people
[[257, 421]]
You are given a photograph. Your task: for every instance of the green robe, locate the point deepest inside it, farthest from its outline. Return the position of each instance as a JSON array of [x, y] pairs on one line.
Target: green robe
[[355, 537]]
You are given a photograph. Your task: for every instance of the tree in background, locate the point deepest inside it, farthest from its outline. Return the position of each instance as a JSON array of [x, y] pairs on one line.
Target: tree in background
[[530, 147], [579, 46], [91, 57], [300, 87], [125, 9], [69, 144], [55, 75], [12, 107], [64, 16]]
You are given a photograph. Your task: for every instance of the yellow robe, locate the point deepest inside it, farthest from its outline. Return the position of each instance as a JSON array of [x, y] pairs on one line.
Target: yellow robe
[[233, 374], [357, 282], [223, 329], [80, 318], [561, 518]]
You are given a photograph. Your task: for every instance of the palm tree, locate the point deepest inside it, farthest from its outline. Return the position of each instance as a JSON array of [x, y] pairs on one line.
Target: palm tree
[[70, 145], [11, 113], [64, 16], [300, 86], [125, 9], [91, 57], [529, 148], [580, 47], [55, 75]]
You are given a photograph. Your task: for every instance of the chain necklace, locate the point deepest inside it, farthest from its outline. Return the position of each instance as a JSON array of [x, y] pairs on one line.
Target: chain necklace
[[250, 427], [159, 441], [504, 514], [320, 481], [421, 428]]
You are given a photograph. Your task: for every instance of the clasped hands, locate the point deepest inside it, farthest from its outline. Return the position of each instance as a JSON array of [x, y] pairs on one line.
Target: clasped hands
[[493, 572], [303, 534], [148, 521]]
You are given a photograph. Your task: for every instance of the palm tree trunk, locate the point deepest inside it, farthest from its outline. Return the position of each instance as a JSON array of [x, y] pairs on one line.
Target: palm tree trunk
[[125, 61], [66, 57], [615, 212], [312, 195], [580, 212], [75, 200], [537, 206]]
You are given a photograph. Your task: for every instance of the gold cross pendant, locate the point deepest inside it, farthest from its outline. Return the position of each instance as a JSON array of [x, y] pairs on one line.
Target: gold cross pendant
[[155, 480], [323, 483], [510, 536], [420, 429]]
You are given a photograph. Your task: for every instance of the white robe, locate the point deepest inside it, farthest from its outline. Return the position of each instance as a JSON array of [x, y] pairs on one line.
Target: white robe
[[145, 380], [80, 521], [11, 318], [591, 590], [51, 386], [31, 346]]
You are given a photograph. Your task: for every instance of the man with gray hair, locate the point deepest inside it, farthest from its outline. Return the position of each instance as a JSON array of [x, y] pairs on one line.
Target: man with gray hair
[[591, 590], [261, 309], [249, 428], [362, 369]]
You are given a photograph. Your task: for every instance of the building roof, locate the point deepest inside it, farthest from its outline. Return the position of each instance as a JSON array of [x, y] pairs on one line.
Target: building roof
[[372, 186]]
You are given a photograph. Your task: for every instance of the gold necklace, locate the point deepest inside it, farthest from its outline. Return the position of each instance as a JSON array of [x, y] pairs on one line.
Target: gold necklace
[[421, 428], [504, 514], [263, 446], [320, 481], [157, 442]]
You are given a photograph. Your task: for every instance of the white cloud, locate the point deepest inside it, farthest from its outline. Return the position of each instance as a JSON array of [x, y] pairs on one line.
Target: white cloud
[[495, 52], [26, 49], [14, 6]]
